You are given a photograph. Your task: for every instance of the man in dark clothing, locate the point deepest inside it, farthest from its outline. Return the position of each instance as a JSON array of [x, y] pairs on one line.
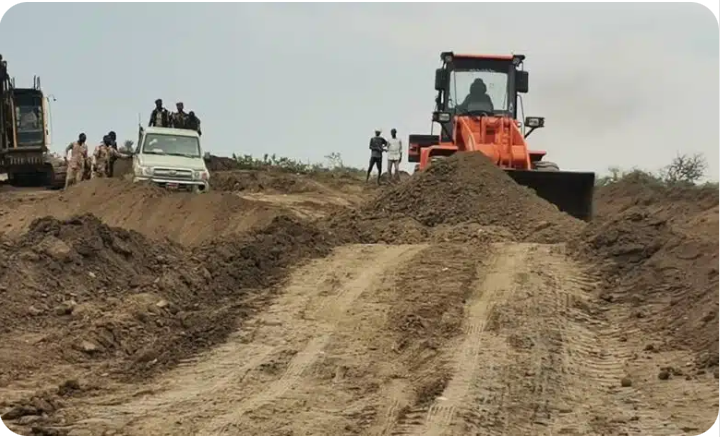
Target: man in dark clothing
[[477, 99], [179, 119], [377, 147], [113, 139], [111, 161], [160, 117], [193, 122]]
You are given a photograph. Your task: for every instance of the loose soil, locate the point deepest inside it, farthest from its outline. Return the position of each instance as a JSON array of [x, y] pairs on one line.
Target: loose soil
[[657, 250], [465, 188], [183, 217], [453, 303], [85, 293]]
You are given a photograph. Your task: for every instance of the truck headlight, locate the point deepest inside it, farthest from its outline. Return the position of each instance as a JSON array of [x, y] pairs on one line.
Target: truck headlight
[[143, 171], [200, 175]]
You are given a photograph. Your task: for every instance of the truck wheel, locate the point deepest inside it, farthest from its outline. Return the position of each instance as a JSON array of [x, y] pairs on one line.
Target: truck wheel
[[546, 166]]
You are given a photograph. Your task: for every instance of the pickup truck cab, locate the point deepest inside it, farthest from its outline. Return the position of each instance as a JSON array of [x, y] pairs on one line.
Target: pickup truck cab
[[171, 158]]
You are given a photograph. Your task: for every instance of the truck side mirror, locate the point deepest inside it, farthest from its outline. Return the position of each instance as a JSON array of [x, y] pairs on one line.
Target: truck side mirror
[[521, 81], [441, 79]]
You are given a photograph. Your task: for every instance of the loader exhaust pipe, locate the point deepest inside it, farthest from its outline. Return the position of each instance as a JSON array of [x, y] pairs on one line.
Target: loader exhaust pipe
[[571, 192]]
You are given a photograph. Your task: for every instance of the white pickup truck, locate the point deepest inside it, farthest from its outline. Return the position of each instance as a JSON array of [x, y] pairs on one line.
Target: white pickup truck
[[171, 158]]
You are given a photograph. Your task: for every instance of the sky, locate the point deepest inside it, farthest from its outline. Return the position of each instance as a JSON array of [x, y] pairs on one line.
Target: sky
[[628, 85]]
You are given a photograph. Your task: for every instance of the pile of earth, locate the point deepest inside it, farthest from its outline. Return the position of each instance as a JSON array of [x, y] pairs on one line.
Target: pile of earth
[[272, 181], [657, 249], [464, 188], [220, 163], [89, 293], [185, 218], [262, 181]]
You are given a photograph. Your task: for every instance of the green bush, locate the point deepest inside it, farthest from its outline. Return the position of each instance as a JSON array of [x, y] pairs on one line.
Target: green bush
[[684, 170], [333, 165]]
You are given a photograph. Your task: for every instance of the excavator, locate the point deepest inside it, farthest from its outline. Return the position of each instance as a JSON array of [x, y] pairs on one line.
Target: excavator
[[24, 136], [486, 121]]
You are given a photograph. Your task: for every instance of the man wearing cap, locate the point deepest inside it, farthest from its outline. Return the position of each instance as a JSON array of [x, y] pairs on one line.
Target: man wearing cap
[[377, 147], [76, 166], [179, 118], [160, 117]]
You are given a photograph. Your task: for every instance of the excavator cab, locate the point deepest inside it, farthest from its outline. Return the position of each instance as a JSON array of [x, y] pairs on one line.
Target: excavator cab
[[477, 110]]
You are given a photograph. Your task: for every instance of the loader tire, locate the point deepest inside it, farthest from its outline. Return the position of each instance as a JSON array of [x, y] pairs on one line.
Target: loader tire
[[546, 166]]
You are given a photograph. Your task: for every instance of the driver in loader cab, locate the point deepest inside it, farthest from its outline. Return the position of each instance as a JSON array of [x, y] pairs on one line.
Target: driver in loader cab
[[477, 99]]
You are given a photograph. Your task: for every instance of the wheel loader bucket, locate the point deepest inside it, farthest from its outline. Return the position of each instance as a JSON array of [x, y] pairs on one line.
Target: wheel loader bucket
[[571, 192]]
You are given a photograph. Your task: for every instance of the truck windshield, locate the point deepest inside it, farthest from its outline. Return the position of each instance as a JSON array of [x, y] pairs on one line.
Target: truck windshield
[[29, 123], [175, 145], [482, 90]]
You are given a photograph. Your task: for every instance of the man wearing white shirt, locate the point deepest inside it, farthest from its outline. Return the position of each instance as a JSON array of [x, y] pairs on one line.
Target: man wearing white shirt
[[394, 155]]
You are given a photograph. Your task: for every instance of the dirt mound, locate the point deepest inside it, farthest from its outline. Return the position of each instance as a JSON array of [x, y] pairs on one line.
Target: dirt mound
[[86, 292], [186, 218], [657, 249], [269, 182], [220, 163], [465, 188]]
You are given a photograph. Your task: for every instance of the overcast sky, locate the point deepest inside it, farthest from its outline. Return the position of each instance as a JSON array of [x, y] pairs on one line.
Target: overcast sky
[[619, 84]]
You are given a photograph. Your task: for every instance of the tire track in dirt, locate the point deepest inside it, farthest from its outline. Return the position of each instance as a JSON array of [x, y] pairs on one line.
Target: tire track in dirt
[[495, 285], [498, 285], [535, 357], [260, 363]]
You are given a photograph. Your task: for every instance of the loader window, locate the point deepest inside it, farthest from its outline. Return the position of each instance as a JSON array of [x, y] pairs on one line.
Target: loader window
[[467, 93]]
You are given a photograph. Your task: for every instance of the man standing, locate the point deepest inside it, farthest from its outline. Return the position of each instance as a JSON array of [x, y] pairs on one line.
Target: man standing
[[113, 143], [193, 122], [103, 154], [76, 166], [377, 147], [180, 117], [394, 155], [160, 117]]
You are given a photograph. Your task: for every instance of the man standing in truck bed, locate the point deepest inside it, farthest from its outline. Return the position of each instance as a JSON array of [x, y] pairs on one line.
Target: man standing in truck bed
[[76, 166], [179, 119]]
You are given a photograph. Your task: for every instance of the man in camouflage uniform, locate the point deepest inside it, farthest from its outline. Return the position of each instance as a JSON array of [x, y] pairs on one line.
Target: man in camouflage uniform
[[76, 166], [159, 117], [103, 153], [179, 118]]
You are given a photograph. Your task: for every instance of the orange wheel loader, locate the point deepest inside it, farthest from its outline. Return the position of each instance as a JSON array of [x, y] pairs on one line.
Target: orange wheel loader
[[477, 110]]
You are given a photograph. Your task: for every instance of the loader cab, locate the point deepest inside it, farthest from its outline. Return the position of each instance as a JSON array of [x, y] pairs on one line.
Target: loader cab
[[477, 85]]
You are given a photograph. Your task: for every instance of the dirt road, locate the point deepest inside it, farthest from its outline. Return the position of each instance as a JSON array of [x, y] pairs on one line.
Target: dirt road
[[527, 357], [256, 310]]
